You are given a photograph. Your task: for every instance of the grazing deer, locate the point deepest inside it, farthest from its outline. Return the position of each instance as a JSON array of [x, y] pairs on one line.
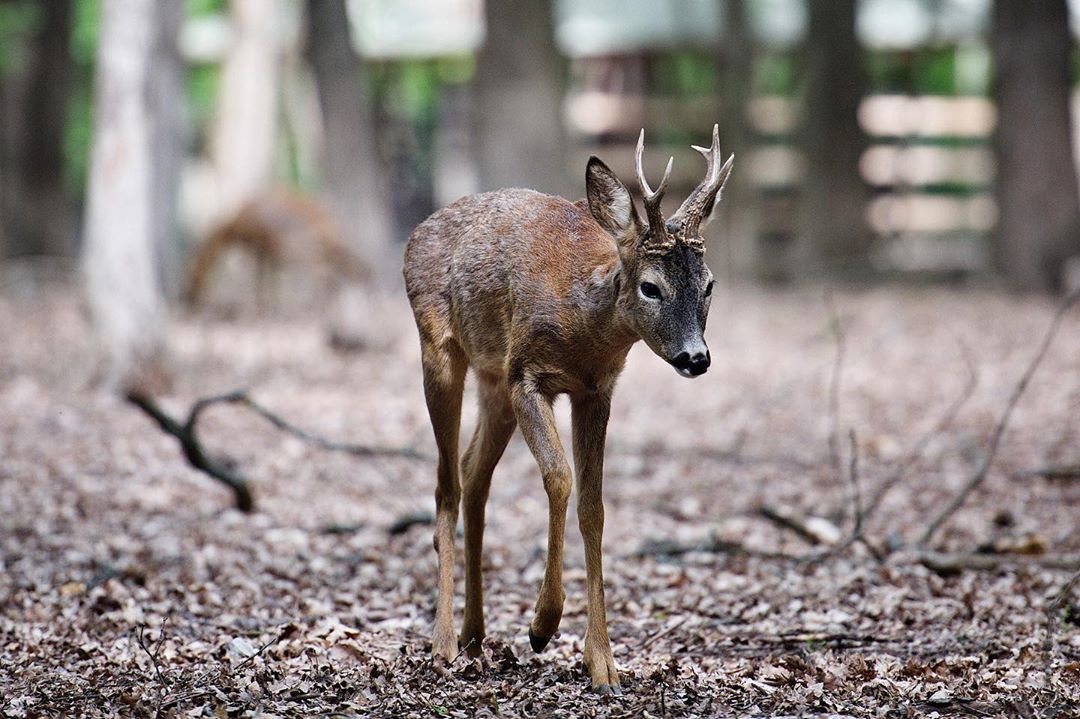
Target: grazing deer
[[541, 297], [277, 229]]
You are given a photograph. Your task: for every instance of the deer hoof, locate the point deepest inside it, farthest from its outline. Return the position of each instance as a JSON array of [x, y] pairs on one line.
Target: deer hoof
[[605, 690], [538, 643]]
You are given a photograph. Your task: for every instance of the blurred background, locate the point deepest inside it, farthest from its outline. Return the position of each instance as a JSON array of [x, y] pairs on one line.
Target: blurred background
[[876, 139]]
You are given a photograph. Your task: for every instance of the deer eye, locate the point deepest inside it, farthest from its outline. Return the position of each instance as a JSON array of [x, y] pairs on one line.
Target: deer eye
[[651, 291], [708, 288]]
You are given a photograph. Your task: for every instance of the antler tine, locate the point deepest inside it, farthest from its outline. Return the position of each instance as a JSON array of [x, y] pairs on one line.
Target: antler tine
[[699, 202], [651, 196], [712, 155]]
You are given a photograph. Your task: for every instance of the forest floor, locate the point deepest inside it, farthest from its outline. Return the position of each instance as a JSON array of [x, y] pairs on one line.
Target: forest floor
[[129, 587]]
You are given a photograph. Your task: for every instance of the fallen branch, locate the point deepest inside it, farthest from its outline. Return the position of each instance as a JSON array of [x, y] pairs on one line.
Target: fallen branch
[[191, 446], [1064, 471], [984, 467], [670, 548], [197, 456], [813, 530], [951, 563]]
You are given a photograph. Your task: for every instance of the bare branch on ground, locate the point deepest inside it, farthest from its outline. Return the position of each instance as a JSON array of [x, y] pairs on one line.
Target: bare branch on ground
[[999, 431], [193, 449], [1061, 471], [950, 563], [198, 458]]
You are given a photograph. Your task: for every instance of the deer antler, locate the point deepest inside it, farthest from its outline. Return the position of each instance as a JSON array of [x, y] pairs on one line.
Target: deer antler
[[700, 201], [652, 198]]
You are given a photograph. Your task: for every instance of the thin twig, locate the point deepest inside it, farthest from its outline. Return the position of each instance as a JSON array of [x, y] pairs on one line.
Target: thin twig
[[163, 684], [661, 633], [856, 492], [858, 514], [186, 433], [984, 467], [359, 450], [837, 330], [920, 445]]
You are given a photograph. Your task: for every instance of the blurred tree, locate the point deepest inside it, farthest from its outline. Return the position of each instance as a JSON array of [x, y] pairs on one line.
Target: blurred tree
[[1039, 225], [246, 124], [833, 234], [118, 254], [737, 72], [519, 88], [168, 137], [35, 78], [48, 205], [350, 162]]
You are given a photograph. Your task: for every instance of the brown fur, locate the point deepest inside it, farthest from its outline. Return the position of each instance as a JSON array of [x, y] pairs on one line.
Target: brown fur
[[280, 228], [540, 297]]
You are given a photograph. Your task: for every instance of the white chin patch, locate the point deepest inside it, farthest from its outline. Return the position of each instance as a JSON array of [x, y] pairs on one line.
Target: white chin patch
[[686, 373]]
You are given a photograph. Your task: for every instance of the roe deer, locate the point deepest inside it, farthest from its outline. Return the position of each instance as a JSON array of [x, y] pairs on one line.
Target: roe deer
[[541, 297], [277, 229]]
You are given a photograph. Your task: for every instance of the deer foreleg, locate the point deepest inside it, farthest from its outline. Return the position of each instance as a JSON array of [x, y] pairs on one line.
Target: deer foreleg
[[590, 417], [537, 420], [493, 430]]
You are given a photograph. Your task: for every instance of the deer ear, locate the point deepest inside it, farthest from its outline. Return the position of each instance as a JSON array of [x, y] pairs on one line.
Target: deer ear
[[610, 202]]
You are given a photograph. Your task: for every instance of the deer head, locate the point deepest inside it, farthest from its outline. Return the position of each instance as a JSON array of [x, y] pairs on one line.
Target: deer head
[[664, 287]]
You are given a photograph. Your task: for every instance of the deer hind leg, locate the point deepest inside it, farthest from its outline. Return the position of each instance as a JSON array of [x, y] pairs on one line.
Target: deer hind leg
[[534, 414], [444, 381], [590, 416], [493, 430]]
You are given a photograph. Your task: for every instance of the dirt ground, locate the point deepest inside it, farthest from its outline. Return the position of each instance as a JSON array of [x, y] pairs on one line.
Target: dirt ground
[[128, 587]]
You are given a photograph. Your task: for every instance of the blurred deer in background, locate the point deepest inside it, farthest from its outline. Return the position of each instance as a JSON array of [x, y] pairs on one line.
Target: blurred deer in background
[[280, 229], [542, 297]]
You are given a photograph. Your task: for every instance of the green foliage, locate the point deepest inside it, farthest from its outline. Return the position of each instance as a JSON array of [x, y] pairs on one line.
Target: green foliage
[[196, 8], [79, 129], [926, 71], [776, 73], [84, 32], [686, 72], [203, 81], [19, 21]]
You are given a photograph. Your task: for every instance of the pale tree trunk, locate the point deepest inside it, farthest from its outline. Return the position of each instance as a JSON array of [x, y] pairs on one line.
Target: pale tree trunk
[[121, 276], [1037, 194], [833, 236], [246, 124], [349, 159], [519, 90], [168, 135]]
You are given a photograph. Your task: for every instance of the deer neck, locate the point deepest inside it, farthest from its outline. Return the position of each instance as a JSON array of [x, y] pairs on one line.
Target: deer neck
[[606, 314]]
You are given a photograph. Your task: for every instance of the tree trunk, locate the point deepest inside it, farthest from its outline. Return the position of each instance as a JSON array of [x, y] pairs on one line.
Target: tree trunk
[[121, 277], [519, 78], [350, 162], [168, 138], [833, 234], [246, 123], [48, 204], [1037, 193], [36, 211], [736, 59]]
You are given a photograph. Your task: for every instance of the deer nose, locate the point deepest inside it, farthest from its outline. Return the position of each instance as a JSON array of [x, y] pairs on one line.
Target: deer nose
[[692, 364]]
